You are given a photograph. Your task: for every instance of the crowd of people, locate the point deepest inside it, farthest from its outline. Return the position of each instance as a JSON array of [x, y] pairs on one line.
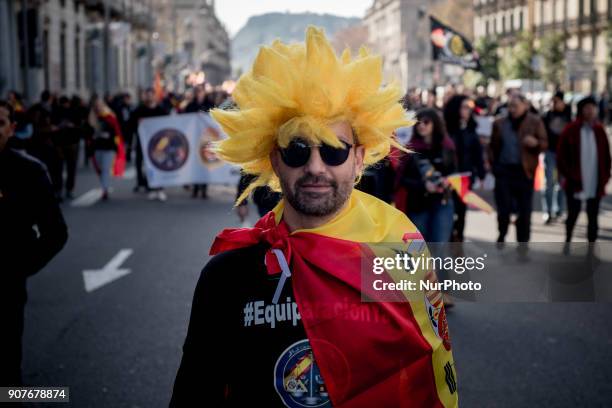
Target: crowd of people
[[55, 128], [445, 140]]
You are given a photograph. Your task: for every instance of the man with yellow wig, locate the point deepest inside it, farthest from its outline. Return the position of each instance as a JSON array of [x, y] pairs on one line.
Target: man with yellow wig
[[278, 317]]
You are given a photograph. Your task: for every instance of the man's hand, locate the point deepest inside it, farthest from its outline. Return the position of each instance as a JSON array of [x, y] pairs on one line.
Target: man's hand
[[433, 187], [530, 141]]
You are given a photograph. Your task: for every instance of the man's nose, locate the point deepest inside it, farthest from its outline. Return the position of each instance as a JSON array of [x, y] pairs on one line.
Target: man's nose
[[315, 164]]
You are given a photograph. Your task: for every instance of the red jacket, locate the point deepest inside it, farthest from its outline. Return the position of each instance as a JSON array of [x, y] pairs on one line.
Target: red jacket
[[568, 157]]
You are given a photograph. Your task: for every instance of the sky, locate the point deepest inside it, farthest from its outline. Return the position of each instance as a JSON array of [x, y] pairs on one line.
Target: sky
[[235, 13]]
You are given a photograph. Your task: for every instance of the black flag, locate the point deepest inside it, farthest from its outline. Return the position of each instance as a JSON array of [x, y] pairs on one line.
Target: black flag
[[451, 47]]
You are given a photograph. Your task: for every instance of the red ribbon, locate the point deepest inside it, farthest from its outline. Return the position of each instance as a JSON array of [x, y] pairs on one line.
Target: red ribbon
[[265, 230]]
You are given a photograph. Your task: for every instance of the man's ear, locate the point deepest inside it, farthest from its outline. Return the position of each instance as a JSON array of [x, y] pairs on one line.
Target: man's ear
[[275, 161], [359, 156]]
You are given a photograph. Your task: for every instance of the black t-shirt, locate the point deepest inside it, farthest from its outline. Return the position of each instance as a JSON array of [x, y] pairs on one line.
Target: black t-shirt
[[241, 349]]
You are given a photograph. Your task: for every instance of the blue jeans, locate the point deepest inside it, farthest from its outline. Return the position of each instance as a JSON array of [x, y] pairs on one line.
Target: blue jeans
[[105, 158], [435, 223], [552, 199]]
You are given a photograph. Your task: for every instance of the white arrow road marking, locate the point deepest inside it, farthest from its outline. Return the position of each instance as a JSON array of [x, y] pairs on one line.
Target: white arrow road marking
[[96, 278]]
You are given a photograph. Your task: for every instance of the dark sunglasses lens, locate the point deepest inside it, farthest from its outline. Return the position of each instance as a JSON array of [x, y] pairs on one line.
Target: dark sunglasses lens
[[296, 154], [333, 156]]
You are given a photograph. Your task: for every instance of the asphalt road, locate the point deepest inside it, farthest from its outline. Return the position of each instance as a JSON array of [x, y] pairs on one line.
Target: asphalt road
[[120, 345]]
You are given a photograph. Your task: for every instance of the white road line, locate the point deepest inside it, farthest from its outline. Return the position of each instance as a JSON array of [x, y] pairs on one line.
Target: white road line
[[89, 198], [96, 278]]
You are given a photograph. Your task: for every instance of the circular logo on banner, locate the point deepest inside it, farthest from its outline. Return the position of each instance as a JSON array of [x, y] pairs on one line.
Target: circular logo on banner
[[168, 149], [207, 154], [297, 378]]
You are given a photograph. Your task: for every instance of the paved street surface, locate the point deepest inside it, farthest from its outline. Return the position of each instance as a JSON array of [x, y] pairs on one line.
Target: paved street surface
[[119, 344]]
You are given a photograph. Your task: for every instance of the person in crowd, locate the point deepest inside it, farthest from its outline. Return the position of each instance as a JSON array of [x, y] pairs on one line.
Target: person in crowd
[[66, 140], [32, 232], [555, 121], [604, 107], [148, 108], [105, 142], [264, 198], [421, 175], [186, 101], [24, 130], [583, 159], [122, 106], [378, 180], [41, 145], [15, 99], [517, 140], [461, 127]]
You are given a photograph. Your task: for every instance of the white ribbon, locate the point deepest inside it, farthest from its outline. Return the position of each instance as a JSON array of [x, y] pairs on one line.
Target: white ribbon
[[286, 273]]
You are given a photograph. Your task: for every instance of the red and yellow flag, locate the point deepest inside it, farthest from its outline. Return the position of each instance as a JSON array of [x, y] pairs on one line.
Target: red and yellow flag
[[119, 162], [370, 354], [460, 182]]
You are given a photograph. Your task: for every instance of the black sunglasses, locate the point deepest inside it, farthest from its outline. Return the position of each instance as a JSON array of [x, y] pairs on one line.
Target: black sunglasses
[[297, 153]]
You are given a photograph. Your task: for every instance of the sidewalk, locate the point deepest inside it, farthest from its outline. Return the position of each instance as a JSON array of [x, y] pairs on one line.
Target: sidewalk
[[483, 227]]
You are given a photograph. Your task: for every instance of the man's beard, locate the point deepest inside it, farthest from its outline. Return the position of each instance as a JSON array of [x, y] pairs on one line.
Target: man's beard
[[315, 203]]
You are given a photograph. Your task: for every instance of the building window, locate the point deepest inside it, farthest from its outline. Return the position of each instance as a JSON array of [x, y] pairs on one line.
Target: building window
[[62, 51], [77, 58], [46, 56], [511, 21], [487, 27], [521, 17]]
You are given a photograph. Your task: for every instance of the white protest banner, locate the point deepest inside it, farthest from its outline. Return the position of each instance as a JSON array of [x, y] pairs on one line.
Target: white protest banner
[[177, 150]]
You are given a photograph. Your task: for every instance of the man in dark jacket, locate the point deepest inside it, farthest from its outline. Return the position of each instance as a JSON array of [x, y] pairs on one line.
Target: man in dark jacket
[[516, 142], [148, 108], [583, 159], [555, 121], [32, 232]]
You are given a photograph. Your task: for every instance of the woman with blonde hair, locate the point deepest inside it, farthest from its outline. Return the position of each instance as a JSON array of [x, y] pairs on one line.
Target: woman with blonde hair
[[106, 143]]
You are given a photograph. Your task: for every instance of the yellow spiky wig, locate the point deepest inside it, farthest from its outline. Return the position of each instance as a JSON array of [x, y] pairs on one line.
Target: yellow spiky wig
[[300, 89]]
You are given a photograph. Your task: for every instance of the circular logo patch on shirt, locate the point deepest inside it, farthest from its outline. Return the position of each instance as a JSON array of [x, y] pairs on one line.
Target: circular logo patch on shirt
[[168, 149], [297, 378]]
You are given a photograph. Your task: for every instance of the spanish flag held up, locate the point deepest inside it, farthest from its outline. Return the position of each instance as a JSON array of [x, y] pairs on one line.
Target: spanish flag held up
[[460, 182], [403, 357], [119, 162]]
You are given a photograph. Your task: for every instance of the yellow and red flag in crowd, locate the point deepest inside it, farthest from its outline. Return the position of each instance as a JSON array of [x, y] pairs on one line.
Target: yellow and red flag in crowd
[[539, 179], [460, 182], [158, 88], [401, 359], [120, 159]]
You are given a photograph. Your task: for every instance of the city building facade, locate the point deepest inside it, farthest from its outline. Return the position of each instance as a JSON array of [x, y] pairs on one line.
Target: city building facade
[[583, 23]]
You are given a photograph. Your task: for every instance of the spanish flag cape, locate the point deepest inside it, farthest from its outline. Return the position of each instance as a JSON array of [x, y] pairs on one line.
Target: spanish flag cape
[[120, 160], [370, 354]]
